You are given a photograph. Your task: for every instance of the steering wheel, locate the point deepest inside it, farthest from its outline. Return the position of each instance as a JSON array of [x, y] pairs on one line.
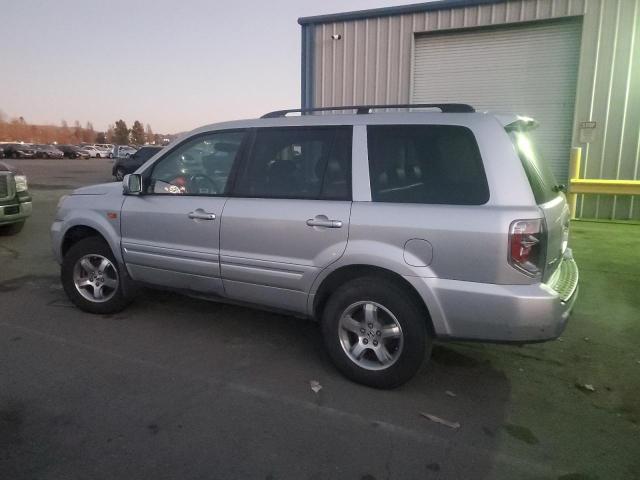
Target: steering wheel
[[195, 184]]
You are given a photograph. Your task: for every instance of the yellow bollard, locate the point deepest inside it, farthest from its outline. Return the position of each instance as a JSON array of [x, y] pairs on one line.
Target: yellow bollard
[[574, 174]]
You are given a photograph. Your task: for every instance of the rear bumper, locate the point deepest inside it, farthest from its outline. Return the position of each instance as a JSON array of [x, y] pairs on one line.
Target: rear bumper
[[7, 215], [499, 313]]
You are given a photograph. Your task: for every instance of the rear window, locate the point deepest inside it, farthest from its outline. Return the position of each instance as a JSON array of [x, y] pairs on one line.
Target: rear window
[[543, 182], [433, 164]]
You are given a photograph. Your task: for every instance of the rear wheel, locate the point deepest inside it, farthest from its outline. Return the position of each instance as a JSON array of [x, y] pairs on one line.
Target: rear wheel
[[375, 333], [91, 277], [120, 173]]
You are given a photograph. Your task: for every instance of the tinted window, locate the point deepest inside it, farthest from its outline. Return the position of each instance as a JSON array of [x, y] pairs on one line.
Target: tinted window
[[200, 166], [299, 162], [438, 164], [543, 182], [146, 153]]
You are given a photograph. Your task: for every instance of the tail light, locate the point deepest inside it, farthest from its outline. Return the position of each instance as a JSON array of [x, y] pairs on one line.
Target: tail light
[[527, 246]]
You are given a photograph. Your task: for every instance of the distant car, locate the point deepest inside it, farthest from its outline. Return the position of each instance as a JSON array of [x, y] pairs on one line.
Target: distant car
[[107, 147], [15, 201], [71, 151], [1, 152], [95, 152], [47, 151], [105, 152], [18, 150], [123, 166], [123, 151]]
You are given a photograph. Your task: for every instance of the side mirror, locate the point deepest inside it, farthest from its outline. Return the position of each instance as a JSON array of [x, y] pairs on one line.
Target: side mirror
[[132, 184]]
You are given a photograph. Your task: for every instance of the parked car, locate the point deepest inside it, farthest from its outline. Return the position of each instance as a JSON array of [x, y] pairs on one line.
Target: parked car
[[18, 150], [123, 166], [123, 151], [95, 152], [15, 200], [106, 147], [47, 151], [71, 151], [391, 229], [1, 152]]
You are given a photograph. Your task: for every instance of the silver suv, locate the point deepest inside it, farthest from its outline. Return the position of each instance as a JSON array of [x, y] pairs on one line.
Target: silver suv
[[391, 229]]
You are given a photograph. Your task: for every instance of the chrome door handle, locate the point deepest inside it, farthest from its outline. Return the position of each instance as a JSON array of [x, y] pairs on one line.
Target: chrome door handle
[[200, 214], [324, 222]]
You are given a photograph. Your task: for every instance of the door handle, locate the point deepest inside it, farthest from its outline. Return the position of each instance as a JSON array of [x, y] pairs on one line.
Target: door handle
[[200, 214], [322, 221]]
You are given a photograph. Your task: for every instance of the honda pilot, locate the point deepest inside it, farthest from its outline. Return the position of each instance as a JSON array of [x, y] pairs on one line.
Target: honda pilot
[[391, 229]]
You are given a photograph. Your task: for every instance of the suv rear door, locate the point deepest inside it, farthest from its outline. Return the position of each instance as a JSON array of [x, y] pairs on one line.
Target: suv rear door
[[289, 214], [547, 193], [170, 234]]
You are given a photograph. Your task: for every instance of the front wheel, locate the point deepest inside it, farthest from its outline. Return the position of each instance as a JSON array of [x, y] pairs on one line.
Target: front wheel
[[375, 333], [91, 278]]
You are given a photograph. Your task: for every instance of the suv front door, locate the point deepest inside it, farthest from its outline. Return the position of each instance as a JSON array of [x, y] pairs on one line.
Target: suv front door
[[288, 217], [170, 233]]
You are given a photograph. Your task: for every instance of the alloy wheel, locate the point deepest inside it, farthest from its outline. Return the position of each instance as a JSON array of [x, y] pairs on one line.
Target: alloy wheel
[[96, 278], [370, 335]]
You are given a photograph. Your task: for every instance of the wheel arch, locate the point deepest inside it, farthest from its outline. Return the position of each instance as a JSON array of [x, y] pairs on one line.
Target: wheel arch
[[87, 227], [346, 273], [76, 233]]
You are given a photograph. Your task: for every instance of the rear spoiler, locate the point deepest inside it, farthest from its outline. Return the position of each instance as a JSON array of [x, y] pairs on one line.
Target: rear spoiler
[[522, 124]]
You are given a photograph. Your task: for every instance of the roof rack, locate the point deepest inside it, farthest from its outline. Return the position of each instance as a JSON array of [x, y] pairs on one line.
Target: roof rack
[[364, 109]]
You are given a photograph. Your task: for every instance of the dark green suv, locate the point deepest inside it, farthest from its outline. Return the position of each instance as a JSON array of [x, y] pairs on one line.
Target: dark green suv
[[15, 200]]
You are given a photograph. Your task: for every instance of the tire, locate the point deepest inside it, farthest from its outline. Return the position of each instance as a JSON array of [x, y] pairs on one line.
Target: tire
[[97, 155], [399, 332], [45, 155], [12, 229], [98, 282], [120, 173]]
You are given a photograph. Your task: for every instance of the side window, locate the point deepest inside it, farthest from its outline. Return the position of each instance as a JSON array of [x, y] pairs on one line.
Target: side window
[[197, 167], [298, 162], [435, 164]]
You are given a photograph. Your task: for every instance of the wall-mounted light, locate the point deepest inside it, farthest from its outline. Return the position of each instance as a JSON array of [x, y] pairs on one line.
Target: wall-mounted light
[[336, 36]]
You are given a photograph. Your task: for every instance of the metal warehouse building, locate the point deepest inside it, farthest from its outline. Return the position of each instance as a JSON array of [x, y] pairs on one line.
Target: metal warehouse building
[[574, 65]]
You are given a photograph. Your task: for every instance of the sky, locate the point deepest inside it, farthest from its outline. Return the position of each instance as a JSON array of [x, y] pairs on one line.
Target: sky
[[175, 64]]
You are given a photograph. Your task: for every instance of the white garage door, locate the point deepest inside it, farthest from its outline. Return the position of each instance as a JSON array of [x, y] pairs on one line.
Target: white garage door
[[530, 70]]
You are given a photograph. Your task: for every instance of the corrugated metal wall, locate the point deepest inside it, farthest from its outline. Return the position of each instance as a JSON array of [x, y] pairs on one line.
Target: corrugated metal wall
[[373, 60], [609, 94], [529, 68]]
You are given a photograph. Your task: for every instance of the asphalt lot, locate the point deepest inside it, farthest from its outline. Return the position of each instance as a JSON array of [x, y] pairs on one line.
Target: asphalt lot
[[175, 387]]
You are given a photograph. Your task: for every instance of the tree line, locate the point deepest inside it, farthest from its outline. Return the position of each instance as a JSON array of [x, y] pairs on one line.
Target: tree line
[[19, 130]]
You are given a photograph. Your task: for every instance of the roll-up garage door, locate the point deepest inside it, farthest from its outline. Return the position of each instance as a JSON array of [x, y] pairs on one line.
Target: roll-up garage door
[[529, 70]]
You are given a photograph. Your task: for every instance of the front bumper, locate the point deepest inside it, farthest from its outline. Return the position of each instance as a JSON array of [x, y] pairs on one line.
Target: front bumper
[[56, 239], [14, 213], [501, 313]]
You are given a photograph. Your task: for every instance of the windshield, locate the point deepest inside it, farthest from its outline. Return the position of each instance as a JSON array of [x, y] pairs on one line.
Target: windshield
[[541, 178]]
